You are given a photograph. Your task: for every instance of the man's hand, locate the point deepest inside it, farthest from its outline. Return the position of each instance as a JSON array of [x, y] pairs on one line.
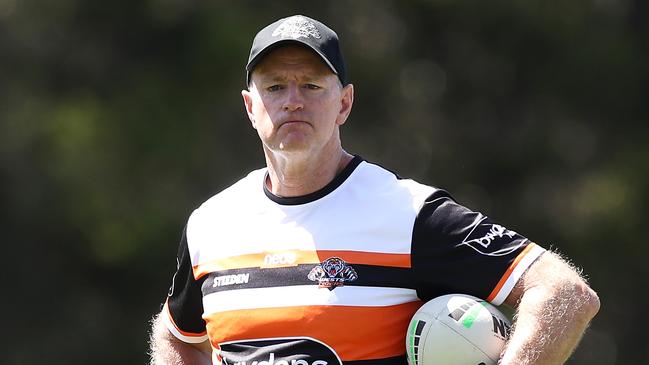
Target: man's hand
[[553, 308], [166, 349]]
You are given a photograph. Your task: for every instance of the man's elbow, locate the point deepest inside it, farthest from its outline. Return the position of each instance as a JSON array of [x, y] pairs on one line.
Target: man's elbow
[[580, 299], [591, 302]]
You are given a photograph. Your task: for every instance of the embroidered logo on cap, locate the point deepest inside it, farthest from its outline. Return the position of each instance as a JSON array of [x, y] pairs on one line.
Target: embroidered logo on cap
[[296, 27]]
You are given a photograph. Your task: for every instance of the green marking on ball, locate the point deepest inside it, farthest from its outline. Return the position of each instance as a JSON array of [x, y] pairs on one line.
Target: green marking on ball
[[472, 314], [411, 332]]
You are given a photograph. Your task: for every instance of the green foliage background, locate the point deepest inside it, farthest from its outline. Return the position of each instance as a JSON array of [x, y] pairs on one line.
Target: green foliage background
[[118, 118]]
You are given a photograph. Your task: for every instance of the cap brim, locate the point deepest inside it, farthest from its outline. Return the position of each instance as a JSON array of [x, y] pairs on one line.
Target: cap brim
[[270, 47]]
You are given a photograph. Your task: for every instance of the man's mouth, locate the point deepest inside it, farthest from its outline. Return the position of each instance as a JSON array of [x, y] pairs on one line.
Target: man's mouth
[[292, 122]]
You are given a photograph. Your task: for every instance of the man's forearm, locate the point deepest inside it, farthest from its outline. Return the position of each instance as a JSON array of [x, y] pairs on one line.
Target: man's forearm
[[167, 350], [552, 315]]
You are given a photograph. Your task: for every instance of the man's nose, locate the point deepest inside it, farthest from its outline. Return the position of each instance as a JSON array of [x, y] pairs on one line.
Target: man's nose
[[293, 99]]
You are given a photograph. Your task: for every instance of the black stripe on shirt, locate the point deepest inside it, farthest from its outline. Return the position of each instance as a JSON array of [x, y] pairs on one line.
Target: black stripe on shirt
[[249, 278]]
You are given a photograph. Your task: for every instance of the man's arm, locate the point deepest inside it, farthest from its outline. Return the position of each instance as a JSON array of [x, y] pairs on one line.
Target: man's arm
[[166, 349], [553, 308]]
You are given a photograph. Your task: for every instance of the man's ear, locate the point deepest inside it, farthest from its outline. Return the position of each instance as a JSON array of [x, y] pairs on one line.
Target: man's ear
[[346, 102], [247, 102]]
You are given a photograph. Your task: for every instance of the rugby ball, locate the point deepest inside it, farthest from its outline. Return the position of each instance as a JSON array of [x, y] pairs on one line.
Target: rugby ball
[[456, 329]]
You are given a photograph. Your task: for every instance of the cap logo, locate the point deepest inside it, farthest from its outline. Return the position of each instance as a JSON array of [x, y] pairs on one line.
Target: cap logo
[[296, 27]]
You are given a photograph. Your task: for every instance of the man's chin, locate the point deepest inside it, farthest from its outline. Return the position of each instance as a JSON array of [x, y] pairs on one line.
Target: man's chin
[[294, 148], [296, 143]]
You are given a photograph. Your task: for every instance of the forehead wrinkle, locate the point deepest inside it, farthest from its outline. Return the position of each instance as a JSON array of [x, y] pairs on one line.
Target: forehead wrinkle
[[272, 74]]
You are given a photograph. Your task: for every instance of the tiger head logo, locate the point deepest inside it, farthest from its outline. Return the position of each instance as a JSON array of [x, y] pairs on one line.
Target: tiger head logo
[[332, 273]]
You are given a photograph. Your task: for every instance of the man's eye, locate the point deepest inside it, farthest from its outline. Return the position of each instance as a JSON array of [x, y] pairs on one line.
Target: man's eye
[[274, 88], [312, 86]]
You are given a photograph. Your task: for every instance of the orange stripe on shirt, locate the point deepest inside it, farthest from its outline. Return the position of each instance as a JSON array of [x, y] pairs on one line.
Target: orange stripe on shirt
[[509, 271], [294, 258], [356, 333], [368, 258], [263, 259]]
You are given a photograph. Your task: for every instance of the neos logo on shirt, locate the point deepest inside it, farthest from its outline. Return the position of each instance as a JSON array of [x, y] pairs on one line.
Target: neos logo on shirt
[[279, 259]]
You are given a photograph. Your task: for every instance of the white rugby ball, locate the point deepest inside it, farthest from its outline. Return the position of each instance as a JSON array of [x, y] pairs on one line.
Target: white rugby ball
[[456, 329]]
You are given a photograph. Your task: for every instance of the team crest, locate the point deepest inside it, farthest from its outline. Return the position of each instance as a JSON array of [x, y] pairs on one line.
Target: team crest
[[332, 273], [296, 27]]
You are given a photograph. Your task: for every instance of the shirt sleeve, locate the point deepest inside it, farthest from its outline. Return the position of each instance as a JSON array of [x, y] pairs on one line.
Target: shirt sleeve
[[183, 309], [456, 250]]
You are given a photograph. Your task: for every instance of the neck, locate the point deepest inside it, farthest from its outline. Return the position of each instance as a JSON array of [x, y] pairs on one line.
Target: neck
[[296, 175]]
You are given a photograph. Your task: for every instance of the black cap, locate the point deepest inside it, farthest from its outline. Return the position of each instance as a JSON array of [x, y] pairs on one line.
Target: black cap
[[302, 30]]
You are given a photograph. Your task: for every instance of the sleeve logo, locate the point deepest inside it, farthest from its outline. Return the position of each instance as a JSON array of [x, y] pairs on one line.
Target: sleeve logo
[[492, 239], [173, 279], [332, 273]]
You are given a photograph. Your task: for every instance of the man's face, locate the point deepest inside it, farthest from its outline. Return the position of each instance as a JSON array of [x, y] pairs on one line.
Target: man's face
[[296, 103]]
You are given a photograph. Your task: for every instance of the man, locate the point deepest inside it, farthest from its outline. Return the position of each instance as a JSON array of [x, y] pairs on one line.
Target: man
[[322, 257]]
